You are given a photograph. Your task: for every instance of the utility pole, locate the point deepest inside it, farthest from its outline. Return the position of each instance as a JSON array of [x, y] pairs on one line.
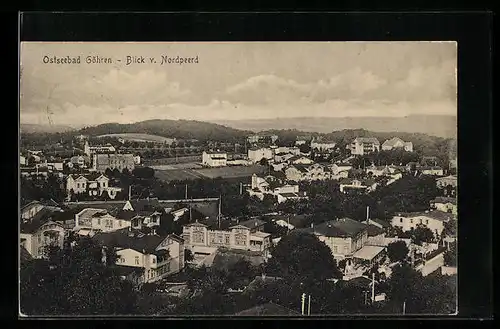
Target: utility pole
[[404, 307], [309, 306], [129, 192], [303, 303], [186, 195], [219, 214], [373, 287], [241, 188]]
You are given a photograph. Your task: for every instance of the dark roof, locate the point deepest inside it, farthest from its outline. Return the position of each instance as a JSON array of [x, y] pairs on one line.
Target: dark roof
[[175, 237], [253, 223], [374, 230], [91, 177], [267, 309], [98, 205], [342, 228], [122, 239], [214, 225], [66, 215], [381, 222], [33, 224], [367, 140], [124, 214], [145, 204]]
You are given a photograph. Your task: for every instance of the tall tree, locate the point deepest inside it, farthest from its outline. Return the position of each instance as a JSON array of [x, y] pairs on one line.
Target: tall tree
[[397, 251]]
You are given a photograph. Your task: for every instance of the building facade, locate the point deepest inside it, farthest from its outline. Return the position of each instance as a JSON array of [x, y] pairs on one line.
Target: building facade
[[364, 145], [101, 162], [35, 238], [257, 154], [214, 159], [397, 143]]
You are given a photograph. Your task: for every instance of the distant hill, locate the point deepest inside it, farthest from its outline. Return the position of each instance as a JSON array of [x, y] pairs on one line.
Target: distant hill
[[35, 128], [180, 129], [434, 125], [137, 137]]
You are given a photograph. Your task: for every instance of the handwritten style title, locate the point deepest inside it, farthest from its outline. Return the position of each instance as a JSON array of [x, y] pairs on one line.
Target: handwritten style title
[[127, 60]]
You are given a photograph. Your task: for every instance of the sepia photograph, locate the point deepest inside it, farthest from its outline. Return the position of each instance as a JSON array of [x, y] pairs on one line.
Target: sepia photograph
[[238, 179]]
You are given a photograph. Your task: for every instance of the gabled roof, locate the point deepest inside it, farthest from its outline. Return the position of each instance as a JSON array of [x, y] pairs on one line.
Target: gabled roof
[[383, 223], [239, 226], [175, 237], [374, 230], [32, 225], [393, 141], [122, 238], [145, 204], [251, 223], [367, 140]]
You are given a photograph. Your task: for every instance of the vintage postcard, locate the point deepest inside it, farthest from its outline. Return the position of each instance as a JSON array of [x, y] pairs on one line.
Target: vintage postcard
[[294, 179]]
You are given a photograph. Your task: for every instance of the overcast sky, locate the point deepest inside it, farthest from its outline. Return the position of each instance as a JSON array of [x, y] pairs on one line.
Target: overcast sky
[[237, 81]]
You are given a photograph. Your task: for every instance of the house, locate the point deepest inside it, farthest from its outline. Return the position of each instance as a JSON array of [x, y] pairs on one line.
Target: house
[[31, 209], [339, 168], [140, 219], [137, 159], [299, 160], [154, 256], [364, 145], [376, 235], [369, 254], [443, 182], [279, 166], [343, 236], [99, 220], [39, 232], [214, 159], [351, 185], [285, 196], [78, 161], [382, 224], [433, 219], [92, 150], [378, 171], [55, 166], [282, 158], [314, 172], [397, 143], [101, 162], [255, 225], [257, 154], [431, 170], [282, 150], [292, 221], [23, 161], [142, 204], [255, 139], [94, 184], [322, 145], [445, 204], [198, 237]]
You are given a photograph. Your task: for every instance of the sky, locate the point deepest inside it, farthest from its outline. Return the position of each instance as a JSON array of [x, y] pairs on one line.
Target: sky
[[236, 81]]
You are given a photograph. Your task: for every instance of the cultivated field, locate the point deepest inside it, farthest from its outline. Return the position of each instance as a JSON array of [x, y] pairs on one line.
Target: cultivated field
[[232, 172], [170, 174], [137, 137]]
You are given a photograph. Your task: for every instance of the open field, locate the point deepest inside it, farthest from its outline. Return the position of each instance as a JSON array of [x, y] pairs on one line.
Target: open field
[[170, 173], [172, 161], [177, 174], [137, 137], [232, 172], [177, 166]]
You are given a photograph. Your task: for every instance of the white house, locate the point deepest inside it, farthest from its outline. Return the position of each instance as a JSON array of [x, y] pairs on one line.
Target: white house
[[445, 181], [433, 219], [35, 235], [281, 150], [137, 159], [99, 220], [214, 159], [22, 160], [31, 209], [257, 154], [397, 143], [94, 184], [366, 185], [322, 145], [90, 150], [300, 160], [445, 204], [154, 256], [431, 171], [364, 145]]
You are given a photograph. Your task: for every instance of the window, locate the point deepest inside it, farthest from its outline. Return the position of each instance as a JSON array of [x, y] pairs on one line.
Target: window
[[426, 222], [401, 220], [411, 220], [77, 185], [154, 260], [136, 260], [335, 249], [98, 221]]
